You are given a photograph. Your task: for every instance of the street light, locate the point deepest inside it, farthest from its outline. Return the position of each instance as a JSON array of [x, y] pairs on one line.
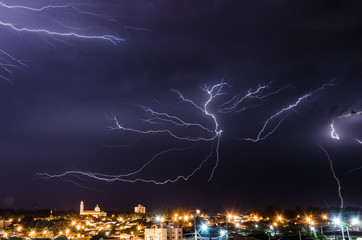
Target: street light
[[271, 228], [204, 227], [337, 221], [355, 221]]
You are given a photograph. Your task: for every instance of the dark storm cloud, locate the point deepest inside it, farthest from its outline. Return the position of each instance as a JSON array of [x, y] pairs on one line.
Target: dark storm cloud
[[54, 117]]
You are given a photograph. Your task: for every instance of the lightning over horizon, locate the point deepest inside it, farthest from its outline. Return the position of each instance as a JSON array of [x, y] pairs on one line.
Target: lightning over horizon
[[203, 104], [167, 124]]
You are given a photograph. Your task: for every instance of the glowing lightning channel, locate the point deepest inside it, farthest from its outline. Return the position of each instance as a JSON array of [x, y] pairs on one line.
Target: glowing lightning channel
[[263, 134], [2, 4], [9, 63], [162, 117], [119, 178], [334, 174], [214, 91], [334, 133], [113, 39], [233, 105], [354, 169], [74, 6]]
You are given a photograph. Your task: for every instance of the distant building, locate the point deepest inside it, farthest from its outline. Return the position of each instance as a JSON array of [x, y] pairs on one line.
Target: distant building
[[95, 213], [140, 209], [2, 224], [161, 233]]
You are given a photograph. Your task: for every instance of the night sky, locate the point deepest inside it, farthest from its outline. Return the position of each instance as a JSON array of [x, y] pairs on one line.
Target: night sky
[[53, 114]]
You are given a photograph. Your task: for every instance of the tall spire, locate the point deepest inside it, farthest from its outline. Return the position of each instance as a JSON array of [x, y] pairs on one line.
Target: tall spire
[[81, 209]]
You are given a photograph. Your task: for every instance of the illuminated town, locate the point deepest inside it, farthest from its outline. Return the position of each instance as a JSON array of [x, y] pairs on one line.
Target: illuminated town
[[180, 120], [181, 223]]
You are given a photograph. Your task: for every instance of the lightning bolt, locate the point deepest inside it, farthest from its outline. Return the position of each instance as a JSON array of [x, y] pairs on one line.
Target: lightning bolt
[[111, 38], [9, 63], [334, 174], [73, 6], [164, 123], [334, 133], [264, 132], [121, 178], [159, 118]]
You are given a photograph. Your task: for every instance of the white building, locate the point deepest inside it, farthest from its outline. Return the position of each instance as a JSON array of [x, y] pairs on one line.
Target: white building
[[163, 233], [95, 213], [140, 209]]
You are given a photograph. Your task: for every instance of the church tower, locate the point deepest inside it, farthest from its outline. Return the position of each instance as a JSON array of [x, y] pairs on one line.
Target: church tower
[[81, 209]]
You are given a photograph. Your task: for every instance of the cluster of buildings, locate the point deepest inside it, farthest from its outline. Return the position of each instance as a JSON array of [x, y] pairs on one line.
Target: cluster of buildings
[[168, 232], [176, 225], [98, 213], [95, 213]]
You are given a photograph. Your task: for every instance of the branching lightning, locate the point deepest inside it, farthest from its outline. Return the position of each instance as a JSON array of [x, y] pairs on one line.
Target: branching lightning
[[9, 63], [334, 174], [207, 131], [213, 135], [235, 104], [122, 178], [335, 134], [264, 132]]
